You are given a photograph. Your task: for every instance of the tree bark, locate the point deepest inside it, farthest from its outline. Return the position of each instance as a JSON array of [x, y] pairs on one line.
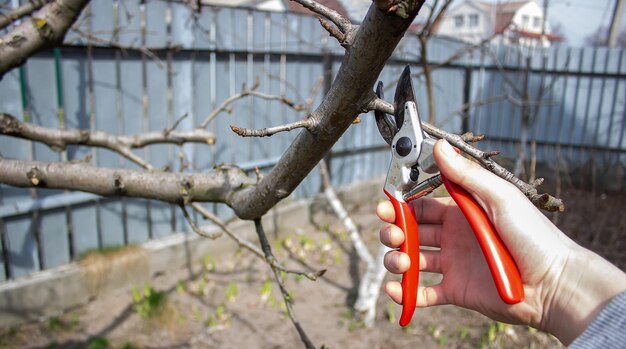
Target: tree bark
[[217, 185], [46, 28], [367, 51]]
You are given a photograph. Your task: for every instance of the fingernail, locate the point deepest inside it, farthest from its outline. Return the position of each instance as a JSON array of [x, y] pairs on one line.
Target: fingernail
[[402, 261], [447, 149]]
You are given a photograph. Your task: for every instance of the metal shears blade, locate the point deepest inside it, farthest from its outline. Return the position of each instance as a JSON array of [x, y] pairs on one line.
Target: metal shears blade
[[386, 124], [404, 93]]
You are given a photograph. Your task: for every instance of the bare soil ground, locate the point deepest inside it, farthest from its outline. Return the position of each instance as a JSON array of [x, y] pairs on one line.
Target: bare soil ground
[[234, 303]]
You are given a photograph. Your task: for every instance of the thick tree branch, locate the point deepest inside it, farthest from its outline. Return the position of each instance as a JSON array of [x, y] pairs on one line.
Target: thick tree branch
[[544, 201], [22, 11], [47, 27], [217, 185], [369, 48], [59, 139]]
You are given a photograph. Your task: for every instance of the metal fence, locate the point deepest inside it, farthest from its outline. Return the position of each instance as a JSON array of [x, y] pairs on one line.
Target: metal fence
[[139, 66]]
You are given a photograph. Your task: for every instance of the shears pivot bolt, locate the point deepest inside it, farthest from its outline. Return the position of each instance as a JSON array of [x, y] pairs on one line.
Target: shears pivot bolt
[[403, 146]]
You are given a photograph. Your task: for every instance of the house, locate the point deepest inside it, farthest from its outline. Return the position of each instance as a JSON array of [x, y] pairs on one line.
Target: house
[[516, 22], [278, 5]]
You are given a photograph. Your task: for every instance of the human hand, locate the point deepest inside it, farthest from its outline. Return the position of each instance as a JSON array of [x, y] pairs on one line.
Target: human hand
[[550, 263]]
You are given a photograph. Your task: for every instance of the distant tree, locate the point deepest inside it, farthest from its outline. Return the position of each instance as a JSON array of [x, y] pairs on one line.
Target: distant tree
[[599, 37], [558, 30]]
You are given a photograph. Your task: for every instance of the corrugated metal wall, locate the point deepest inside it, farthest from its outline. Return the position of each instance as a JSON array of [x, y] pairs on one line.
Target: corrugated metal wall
[[195, 62]]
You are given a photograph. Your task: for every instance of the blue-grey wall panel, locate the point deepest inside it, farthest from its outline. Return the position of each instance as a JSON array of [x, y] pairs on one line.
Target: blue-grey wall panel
[[10, 102], [84, 228], [107, 115], [22, 245], [54, 238], [182, 25], [102, 22], [129, 23], [156, 28]]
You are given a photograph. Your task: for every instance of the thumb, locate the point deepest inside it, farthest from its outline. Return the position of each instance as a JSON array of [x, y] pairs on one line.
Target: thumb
[[482, 184]]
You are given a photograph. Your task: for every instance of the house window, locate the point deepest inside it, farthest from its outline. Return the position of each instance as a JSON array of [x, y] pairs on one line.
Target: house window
[[458, 21], [473, 20], [536, 22], [525, 20]]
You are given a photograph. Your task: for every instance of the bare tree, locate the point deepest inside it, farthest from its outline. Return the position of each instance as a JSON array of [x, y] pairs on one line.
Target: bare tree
[[367, 46], [600, 36]]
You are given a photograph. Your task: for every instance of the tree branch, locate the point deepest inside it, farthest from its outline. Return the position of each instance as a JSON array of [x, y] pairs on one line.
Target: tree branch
[[22, 11], [59, 139], [369, 48], [544, 201], [341, 22], [251, 247], [245, 93], [270, 131], [143, 49], [196, 229], [217, 185], [269, 257], [332, 30], [47, 27]]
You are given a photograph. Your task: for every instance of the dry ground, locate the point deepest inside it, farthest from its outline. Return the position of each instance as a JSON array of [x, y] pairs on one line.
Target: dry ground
[[234, 303]]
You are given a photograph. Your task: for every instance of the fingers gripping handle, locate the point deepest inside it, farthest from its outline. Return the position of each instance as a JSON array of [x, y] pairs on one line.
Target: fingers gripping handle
[[502, 266], [405, 219]]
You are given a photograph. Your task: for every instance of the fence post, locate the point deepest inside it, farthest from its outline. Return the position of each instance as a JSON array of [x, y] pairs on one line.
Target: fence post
[[467, 95]]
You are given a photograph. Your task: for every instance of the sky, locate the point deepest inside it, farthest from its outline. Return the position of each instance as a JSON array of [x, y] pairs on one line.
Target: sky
[[580, 18]]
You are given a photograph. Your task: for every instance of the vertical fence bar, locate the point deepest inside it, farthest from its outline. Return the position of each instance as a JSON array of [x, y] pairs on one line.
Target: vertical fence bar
[[467, 98], [575, 104], [613, 105]]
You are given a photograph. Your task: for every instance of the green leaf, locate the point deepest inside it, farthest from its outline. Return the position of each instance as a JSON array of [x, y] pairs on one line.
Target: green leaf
[[180, 288], [231, 291]]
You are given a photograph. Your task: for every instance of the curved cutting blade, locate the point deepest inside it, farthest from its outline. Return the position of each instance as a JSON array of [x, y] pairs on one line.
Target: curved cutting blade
[[404, 93], [385, 122]]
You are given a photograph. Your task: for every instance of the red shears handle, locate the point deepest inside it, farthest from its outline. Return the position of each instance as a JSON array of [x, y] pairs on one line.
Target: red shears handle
[[502, 266], [405, 219]]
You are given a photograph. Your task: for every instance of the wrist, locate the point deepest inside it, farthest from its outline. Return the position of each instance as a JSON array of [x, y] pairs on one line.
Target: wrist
[[582, 288]]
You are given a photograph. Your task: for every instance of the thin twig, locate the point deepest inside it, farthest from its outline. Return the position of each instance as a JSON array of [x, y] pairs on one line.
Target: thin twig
[[167, 131], [197, 229], [543, 201], [341, 22], [251, 247], [332, 30], [269, 257], [245, 93], [270, 131], [507, 80], [466, 106], [143, 49], [459, 53]]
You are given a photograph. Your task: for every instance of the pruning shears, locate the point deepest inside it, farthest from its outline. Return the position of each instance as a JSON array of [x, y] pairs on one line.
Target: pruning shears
[[412, 153]]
